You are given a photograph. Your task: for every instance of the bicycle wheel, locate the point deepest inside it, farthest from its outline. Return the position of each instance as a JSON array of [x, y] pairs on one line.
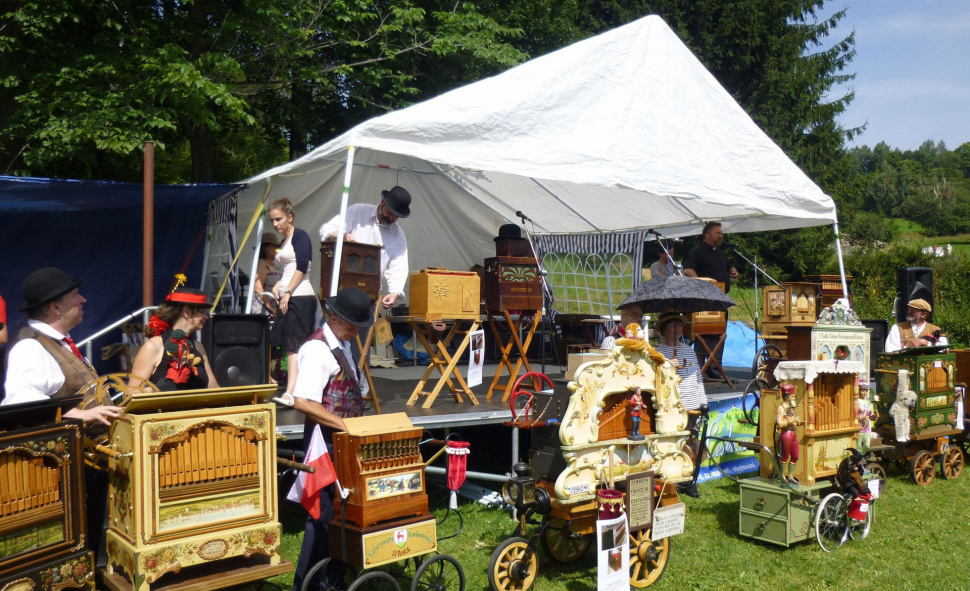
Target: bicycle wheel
[[753, 389], [831, 522], [375, 580], [439, 573]]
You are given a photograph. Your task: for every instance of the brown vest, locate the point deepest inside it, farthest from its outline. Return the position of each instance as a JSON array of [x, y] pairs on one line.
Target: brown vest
[[906, 331], [76, 372]]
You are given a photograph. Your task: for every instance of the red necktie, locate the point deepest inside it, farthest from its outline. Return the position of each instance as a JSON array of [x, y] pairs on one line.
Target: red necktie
[[74, 349]]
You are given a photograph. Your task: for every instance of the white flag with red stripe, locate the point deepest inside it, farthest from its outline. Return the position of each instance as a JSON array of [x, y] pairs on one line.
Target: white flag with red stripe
[[306, 489]]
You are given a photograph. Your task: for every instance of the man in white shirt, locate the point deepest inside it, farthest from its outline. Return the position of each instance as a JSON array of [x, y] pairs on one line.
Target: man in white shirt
[[328, 389], [377, 224], [916, 331]]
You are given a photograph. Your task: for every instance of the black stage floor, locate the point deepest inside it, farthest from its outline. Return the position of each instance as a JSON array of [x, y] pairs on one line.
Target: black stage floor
[[394, 387]]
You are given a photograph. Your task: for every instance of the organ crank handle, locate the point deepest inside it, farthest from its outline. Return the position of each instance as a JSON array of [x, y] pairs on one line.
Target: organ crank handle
[[295, 465], [113, 454]]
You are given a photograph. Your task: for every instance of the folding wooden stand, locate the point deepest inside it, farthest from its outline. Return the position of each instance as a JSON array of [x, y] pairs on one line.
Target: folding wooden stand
[[442, 361], [520, 345], [712, 355], [363, 345]]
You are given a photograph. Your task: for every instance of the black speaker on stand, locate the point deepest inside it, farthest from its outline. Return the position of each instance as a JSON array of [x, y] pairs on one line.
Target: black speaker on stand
[[238, 348], [913, 283]]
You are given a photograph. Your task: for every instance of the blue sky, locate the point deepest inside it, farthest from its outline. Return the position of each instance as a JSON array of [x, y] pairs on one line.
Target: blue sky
[[912, 69]]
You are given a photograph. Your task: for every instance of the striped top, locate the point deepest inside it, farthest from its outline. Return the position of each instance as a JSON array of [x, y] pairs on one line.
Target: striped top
[[691, 386]]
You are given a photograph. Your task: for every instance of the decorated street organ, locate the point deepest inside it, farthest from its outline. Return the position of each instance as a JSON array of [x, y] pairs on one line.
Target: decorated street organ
[[192, 481], [42, 520], [589, 444]]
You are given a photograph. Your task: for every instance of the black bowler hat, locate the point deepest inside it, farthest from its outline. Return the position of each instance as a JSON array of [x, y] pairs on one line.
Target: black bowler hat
[[46, 285], [509, 231], [353, 305], [398, 200]]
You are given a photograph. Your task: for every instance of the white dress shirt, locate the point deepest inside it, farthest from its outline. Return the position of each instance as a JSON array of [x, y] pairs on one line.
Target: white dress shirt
[[318, 366], [362, 224], [32, 373], [895, 337]]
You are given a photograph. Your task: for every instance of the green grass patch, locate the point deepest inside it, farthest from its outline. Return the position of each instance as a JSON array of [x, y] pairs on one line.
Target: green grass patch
[[919, 540]]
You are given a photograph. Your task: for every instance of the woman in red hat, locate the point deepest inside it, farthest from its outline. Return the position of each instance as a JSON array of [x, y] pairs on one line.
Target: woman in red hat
[[170, 358]]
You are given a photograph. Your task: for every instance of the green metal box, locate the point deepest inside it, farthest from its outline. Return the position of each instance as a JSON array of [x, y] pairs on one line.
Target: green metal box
[[773, 514]]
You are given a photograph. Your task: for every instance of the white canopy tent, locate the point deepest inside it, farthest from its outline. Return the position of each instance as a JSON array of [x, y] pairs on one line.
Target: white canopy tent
[[623, 131]]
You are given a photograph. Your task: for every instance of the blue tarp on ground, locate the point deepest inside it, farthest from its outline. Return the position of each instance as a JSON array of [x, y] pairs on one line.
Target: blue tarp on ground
[[93, 231]]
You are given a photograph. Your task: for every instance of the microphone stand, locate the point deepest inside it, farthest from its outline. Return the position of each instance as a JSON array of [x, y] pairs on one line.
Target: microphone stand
[[547, 298], [757, 309], [670, 262]]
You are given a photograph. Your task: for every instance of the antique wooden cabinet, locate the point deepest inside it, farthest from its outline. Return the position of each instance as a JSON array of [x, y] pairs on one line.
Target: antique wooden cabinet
[[193, 482], [825, 394], [512, 283], [835, 335], [830, 288], [42, 519], [772, 513], [360, 267], [707, 323], [932, 376], [785, 305], [440, 294]]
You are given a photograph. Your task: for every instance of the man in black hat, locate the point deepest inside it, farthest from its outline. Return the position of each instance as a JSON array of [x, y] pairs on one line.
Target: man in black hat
[[327, 391], [377, 224]]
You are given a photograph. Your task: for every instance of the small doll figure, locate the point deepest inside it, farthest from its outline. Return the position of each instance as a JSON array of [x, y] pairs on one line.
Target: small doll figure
[[785, 423], [636, 403], [866, 414]]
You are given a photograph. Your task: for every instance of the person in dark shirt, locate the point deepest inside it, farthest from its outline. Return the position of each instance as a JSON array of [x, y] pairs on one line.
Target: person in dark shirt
[[707, 259]]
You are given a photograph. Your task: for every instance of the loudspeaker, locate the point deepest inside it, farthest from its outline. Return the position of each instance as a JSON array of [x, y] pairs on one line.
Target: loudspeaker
[[877, 340], [238, 348], [913, 283]]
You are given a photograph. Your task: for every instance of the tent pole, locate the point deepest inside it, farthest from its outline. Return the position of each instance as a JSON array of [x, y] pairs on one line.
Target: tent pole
[[252, 270], [338, 251], [838, 250], [148, 225]]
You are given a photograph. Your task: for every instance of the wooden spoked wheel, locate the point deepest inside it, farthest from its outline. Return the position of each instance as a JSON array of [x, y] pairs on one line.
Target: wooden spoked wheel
[[509, 570], [952, 463], [923, 468], [648, 559], [108, 390], [563, 545], [831, 522], [375, 580]]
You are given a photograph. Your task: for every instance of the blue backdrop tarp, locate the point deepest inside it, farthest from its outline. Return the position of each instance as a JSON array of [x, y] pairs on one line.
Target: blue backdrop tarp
[[93, 231]]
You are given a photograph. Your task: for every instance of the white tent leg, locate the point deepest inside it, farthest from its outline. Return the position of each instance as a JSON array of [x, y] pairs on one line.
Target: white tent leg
[[252, 270], [338, 251], [838, 251]]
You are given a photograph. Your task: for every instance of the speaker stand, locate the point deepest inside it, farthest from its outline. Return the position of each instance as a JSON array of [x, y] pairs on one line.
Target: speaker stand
[[362, 365]]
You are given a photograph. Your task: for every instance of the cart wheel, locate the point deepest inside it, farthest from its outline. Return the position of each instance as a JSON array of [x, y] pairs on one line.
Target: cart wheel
[[439, 573], [952, 463], [831, 522], [879, 472], [648, 559], [755, 387], [563, 545], [858, 530], [508, 571], [759, 367], [329, 575], [923, 468], [375, 580]]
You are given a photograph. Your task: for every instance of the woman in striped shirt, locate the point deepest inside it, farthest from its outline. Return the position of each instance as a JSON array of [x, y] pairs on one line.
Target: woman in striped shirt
[[671, 327]]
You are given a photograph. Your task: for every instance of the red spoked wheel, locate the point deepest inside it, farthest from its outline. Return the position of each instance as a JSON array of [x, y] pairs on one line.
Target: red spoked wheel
[[521, 401]]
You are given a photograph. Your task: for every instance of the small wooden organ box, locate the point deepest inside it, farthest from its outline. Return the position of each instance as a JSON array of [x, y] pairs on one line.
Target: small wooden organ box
[[440, 294], [707, 323], [933, 377], [830, 288], [512, 283], [825, 396], [42, 520], [360, 267], [379, 460], [195, 483]]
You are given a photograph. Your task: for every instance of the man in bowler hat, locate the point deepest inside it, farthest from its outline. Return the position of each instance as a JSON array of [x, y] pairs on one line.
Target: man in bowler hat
[[327, 391], [377, 224]]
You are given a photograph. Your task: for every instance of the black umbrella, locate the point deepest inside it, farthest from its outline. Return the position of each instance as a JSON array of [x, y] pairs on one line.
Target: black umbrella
[[686, 294]]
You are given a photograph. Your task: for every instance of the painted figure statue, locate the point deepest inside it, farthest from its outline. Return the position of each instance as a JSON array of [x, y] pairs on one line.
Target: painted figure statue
[[866, 414], [899, 411], [785, 423], [636, 406]]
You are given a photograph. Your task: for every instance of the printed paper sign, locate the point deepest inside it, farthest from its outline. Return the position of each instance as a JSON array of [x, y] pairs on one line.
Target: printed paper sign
[[874, 487], [613, 555], [668, 521], [476, 357]]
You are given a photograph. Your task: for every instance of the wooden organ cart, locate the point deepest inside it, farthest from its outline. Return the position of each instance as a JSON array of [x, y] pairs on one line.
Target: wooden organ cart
[[193, 490], [42, 519], [384, 520], [360, 267], [933, 430], [574, 457]]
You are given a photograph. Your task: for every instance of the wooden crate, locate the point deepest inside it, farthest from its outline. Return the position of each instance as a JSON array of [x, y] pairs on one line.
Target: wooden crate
[[440, 294], [360, 267], [512, 283], [707, 323]]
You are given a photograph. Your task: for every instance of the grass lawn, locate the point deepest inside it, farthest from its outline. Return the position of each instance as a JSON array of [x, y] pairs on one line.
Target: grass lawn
[[920, 540], [913, 232]]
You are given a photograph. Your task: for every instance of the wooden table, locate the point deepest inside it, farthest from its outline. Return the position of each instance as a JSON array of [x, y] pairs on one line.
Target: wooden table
[[522, 346], [446, 364]]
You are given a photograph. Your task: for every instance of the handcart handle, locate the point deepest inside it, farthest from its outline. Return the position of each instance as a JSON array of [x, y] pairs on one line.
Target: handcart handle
[[760, 447], [295, 465]]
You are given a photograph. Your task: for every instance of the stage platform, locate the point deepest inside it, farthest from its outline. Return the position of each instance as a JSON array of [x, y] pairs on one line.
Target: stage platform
[[394, 387]]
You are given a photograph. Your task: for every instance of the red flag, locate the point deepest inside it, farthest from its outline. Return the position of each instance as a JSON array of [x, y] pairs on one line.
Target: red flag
[[306, 489]]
